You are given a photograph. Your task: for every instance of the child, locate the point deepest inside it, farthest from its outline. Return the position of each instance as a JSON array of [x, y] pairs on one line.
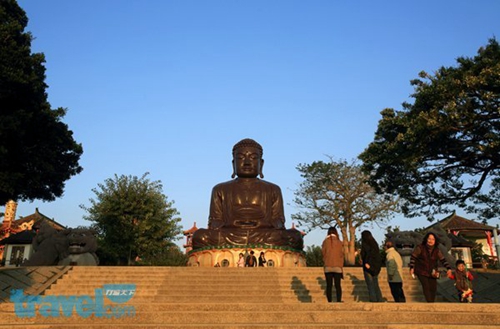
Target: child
[[463, 283]]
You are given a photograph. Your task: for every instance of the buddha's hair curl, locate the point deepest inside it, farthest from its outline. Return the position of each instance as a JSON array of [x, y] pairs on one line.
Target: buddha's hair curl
[[248, 142]]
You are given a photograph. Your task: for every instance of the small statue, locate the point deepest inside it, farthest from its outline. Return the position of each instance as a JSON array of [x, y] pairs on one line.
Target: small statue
[[247, 210], [406, 241], [82, 247], [50, 246], [66, 247]]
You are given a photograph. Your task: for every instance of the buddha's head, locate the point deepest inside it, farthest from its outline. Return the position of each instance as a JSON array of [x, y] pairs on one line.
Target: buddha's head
[[247, 159]]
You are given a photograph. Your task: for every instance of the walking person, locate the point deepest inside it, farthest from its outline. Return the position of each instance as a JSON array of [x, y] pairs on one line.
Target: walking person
[[372, 263], [333, 258], [463, 282], [424, 264], [394, 265]]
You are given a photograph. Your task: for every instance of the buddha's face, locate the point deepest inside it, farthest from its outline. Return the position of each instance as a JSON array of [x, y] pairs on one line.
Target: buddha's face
[[247, 162]]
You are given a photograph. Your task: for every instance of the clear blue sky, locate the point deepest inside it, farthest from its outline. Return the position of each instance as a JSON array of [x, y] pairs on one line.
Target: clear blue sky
[[168, 87]]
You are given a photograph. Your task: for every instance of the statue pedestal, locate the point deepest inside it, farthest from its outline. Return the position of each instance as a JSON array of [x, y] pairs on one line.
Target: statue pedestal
[[227, 256]]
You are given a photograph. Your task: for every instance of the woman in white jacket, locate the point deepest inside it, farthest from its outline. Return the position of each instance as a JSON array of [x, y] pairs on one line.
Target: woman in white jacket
[[394, 264]]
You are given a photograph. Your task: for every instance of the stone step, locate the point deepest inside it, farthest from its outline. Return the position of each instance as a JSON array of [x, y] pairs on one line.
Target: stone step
[[264, 299], [250, 326], [285, 298], [299, 307], [221, 270], [223, 298], [229, 282], [223, 285], [225, 272], [289, 297], [225, 278], [165, 289], [233, 287], [208, 269], [207, 294], [173, 290], [201, 269], [204, 279], [262, 278], [450, 318]]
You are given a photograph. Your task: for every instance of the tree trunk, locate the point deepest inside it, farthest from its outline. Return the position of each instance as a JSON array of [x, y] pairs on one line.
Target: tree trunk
[[350, 255], [349, 248]]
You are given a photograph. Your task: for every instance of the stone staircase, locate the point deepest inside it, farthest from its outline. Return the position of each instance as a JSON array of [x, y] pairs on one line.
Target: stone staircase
[[183, 297]]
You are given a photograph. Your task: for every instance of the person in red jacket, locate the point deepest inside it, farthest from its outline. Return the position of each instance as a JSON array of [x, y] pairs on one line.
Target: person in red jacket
[[333, 258], [463, 282]]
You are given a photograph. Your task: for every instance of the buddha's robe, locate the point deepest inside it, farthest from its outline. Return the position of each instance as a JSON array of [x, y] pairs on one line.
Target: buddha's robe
[[247, 211]]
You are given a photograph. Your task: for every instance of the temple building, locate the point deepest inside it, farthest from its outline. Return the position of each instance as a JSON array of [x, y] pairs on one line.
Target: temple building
[[16, 236], [189, 236], [464, 233]]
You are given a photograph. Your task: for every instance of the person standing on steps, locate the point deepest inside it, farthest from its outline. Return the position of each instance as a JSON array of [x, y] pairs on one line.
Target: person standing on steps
[[251, 260], [463, 282], [241, 261], [394, 265], [262, 259], [424, 264], [333, 258], [372, 263]]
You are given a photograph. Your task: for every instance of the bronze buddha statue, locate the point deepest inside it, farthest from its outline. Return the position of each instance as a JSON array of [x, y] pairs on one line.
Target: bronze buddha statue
[[247, 210]]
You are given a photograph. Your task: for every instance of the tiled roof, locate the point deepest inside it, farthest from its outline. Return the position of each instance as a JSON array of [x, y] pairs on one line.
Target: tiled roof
[[455, 222], [460, 241], [24, 237], [191, 230], [38, 218]]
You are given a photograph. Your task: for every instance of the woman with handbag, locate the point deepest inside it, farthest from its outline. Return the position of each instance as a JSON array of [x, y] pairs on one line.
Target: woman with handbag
[[424, 264], [332, 250]]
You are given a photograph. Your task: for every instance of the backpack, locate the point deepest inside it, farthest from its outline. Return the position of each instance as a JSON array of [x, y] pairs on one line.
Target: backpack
[[250, 261]]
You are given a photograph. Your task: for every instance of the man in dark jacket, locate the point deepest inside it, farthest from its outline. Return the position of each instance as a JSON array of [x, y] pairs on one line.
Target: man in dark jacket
[[251, 260]]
